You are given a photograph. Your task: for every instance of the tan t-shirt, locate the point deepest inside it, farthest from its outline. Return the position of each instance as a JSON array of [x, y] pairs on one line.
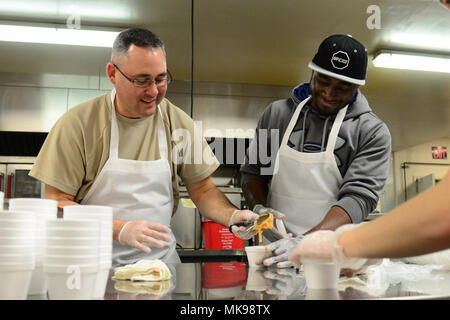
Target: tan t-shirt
[[77, 147]]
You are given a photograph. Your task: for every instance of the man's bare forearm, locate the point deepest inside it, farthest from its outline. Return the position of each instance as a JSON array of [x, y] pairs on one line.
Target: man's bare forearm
[[211, 202], [335, 218]]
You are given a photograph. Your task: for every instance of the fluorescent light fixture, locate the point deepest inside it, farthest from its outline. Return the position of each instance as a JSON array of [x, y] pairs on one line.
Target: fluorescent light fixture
[[50, 8], [412, 61], [433, 41], [57, 35]]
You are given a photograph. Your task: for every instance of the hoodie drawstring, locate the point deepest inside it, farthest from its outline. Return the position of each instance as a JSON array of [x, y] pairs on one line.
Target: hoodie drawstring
[[323, 134]]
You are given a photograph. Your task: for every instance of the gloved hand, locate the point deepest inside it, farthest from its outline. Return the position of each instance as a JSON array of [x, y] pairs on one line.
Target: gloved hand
[[245, 217], [323, 245], [280, 252], [260, 209], [286, 283], [275, 233], [134, 233]]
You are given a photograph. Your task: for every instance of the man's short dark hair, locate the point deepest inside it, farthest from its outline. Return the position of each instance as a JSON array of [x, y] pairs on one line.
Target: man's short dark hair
[[137, 36]]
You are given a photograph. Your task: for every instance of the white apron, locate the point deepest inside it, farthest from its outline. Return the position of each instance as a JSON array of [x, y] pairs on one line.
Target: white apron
[[305, 185], [137, 190]]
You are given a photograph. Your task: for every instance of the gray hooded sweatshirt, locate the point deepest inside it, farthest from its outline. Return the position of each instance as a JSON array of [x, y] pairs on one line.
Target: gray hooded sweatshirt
[[362, 148]]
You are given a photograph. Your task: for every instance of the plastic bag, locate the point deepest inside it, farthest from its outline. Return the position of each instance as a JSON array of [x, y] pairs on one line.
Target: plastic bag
[[412, 277]]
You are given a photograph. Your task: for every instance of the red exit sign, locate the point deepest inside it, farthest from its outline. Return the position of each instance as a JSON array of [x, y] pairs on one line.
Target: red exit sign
[[439, 153]]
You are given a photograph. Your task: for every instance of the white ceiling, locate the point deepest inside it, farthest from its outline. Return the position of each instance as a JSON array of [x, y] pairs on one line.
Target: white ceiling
[[262, 42]]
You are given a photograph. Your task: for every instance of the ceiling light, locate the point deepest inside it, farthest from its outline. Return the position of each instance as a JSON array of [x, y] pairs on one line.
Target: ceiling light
[[412, 61], [63, 9], [59, 34]]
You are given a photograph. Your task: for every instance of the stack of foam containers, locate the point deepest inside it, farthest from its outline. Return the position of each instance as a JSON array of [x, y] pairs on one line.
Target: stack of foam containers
[[17, 253], [104, 215], [71, 258], [43, 209]]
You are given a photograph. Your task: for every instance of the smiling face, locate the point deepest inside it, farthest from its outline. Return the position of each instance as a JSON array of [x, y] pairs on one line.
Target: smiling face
[[329, 95], [138, 63]]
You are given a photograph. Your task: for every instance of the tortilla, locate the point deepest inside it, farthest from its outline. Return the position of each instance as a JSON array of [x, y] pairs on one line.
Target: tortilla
[[143, 270]]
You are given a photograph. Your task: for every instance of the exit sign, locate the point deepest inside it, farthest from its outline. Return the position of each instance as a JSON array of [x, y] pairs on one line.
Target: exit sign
[[439, 153]]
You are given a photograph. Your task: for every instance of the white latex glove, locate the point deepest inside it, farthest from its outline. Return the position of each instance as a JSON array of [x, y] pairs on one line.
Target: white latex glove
[[279, 231], [323, 245], [280, 252], [260, 209], [135, 233], [242, 216]]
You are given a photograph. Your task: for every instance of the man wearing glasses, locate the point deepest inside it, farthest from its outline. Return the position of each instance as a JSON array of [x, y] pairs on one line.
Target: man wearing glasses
[[117, 149]]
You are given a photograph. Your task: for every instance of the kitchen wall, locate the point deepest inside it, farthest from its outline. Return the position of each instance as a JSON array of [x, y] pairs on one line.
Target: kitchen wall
[[388, 197], [419, 163], [30, 102], [33, 102]]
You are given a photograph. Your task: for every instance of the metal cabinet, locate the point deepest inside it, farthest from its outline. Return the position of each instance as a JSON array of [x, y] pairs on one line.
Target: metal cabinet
[[15, 181], [3, 176]]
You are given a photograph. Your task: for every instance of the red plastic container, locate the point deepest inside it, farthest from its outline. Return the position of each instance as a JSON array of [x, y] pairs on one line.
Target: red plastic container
[[224, 275], [218, 237]]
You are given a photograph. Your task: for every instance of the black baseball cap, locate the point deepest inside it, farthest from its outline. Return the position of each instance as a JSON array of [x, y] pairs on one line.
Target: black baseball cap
[[343, 57]]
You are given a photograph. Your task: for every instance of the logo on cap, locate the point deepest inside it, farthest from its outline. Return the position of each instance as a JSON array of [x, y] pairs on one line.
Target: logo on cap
[[340, 60]]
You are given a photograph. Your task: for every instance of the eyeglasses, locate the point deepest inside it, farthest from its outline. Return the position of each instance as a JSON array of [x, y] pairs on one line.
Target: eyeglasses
[[145, 82]]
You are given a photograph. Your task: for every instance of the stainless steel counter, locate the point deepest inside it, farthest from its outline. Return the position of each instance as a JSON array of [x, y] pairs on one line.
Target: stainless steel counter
[[234, 280], [225, 275]]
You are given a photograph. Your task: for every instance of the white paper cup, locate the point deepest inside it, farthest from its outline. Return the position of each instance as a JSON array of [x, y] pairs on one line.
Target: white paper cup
[[17, 249], [71, 259], [72, 223], [256, 280], [71, 241], [106, 260], [66, 283], [17, 232], [321, 275], [322, 294], [2, 199], [17, 219], [106, 238], [33, 203], [106, 227], [15, 281], [102, 213], [16, 215], [256, 253], [42, 207], [100, 282], [17, 258], [71, 250], [16, 241], [38, 284], [72, 232], [17, 224], [105, 248]]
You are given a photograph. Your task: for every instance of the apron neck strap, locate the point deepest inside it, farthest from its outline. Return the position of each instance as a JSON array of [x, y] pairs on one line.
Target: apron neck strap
[[293, 121], [162, 141], [332, 138], [114, 141]]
